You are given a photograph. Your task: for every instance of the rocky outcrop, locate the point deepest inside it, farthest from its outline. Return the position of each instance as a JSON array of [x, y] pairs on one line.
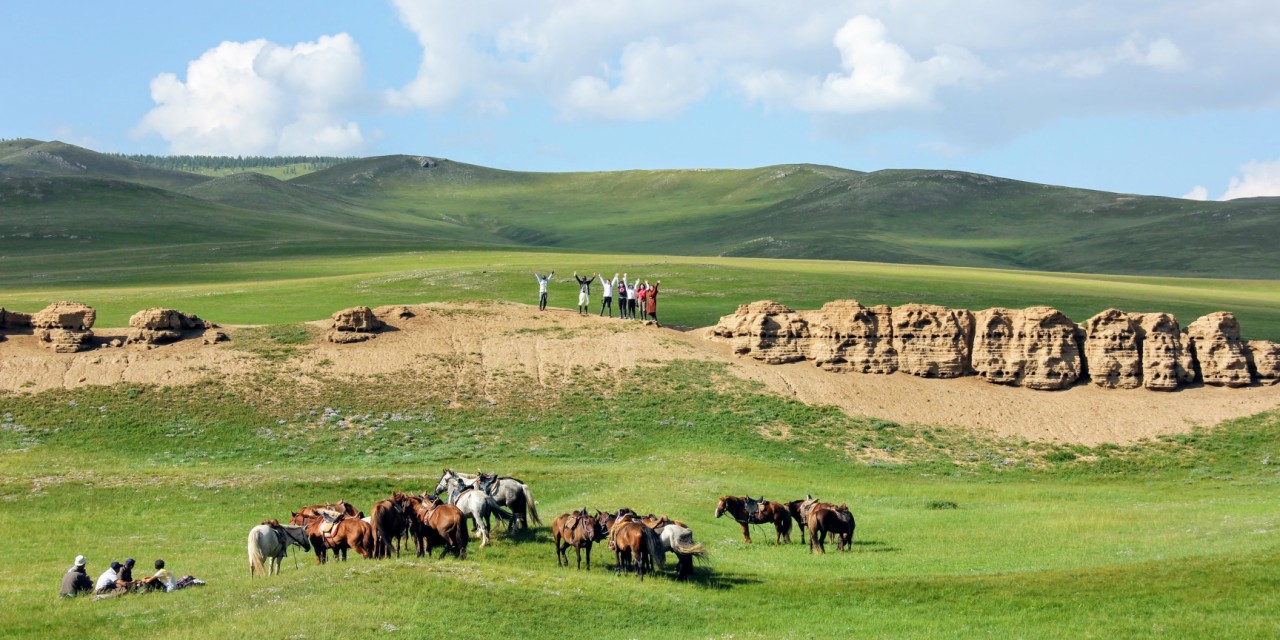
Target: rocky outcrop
[[1264, 359], [1111, 350], [10, 319], [932, 341], [65, 326], [1034, 347], [1166, 362], [767, 331], [159, 325], [1214, 341], [356, 324], [846, 336]]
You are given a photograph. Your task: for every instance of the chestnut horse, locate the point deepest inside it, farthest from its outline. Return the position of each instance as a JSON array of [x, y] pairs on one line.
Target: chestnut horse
[[438, 523], [350, 533], [826, 518], [578, 530], [634, 545], [748, 511]]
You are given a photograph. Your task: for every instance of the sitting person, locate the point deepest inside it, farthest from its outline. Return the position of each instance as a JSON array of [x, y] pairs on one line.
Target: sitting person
[[109, 580], [161, 580], [125, 574], [76, 580]]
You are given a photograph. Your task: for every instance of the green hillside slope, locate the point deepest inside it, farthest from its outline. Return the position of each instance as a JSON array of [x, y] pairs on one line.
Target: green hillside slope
[[27, 158]]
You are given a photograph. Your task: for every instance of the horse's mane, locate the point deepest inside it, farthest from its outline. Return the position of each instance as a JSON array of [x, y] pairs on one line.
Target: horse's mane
[[272, 522]]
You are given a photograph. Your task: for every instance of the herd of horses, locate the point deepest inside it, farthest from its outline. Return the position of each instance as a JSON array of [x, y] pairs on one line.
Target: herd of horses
[[639, 543], [819, 518]]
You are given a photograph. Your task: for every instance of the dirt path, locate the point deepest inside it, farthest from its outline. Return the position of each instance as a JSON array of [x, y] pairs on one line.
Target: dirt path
[[500, 344]]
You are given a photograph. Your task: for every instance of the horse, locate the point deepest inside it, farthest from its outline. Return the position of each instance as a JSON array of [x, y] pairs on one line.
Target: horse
[[748, 511], [635, 546], [794, 508], [578, 530], [478, 505], [348, 533], [824, 518], [677, 537], [439, 523], [506, 491], [272, 542], [390, 523]]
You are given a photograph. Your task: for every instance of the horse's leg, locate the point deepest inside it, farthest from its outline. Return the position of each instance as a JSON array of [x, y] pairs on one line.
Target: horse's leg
[[578, 550], [746, 533], [588, 555]]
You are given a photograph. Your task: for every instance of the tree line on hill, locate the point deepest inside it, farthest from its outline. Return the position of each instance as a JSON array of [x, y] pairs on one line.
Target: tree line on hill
[[234, 163]]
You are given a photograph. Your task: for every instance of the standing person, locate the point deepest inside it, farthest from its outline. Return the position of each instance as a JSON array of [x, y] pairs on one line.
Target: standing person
[[622, 295], [609, 286], [631, 298], [584, 293], [643, 294], [542, 289], [653, 303], [76, 580]]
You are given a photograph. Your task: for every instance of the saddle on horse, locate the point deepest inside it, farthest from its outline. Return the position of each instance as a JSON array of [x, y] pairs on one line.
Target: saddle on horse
[[329, 524]]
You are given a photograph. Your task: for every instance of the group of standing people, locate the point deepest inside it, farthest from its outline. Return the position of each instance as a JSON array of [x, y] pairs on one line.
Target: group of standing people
[[118, 579], [632, 295]]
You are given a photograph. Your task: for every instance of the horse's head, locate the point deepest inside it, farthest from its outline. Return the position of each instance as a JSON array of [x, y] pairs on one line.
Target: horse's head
[[299, 536], [725, 503]]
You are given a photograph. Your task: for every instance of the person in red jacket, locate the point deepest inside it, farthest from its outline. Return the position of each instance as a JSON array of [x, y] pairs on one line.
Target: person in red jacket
[[652, 303]]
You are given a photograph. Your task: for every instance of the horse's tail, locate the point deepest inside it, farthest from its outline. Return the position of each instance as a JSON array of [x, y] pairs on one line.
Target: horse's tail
[[786, 521], [497, 510], [657, 550], [533, 506], [685, 545], [461, 538], [255, 554]]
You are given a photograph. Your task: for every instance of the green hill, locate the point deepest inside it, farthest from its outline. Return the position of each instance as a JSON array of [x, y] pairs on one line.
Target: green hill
[[787, 211], [27, 158]]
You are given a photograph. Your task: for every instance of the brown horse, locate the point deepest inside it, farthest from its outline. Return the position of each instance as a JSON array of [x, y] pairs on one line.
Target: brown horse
[[748, 511], [438, 524], [578, 530], [348, 533], [634, 545], [795, 508], [826, 518], [390, 522]]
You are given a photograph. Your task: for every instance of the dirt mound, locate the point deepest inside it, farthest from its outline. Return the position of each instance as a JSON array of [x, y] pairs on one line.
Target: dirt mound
[[66, 327], [491, 347], [159, 325], [355, 324]]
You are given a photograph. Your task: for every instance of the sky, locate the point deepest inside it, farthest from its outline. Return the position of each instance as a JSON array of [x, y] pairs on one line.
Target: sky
[[1179, 99]]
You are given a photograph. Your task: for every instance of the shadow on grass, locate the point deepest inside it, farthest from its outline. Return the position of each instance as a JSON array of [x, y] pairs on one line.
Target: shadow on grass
[[876, 546]]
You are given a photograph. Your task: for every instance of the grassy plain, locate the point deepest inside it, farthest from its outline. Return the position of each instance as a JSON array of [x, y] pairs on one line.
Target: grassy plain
[[696, 291], [1171, 538]]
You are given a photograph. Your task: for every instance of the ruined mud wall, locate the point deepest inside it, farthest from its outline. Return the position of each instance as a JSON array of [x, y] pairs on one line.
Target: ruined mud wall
[[1037, 347]]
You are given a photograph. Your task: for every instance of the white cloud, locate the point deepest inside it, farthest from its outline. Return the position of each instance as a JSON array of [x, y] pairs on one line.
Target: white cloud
[[876, 74], [655, 81], [1260, 179], [1197, 193], [1134, 50], [261, 98]]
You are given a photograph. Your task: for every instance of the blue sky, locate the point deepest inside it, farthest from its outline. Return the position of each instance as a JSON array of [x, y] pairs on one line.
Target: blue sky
[[1164, 98]]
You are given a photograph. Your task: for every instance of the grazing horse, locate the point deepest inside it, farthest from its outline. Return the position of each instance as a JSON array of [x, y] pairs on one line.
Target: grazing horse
[[478, 505], [439, 524], [748, 511], [676, 537], [824, 518], [348, 533], [390, 522], [506, 491], [270, 540], [578, 530], [635, 546]]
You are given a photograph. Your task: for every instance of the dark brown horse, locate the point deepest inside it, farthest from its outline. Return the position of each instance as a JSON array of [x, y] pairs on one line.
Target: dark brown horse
[[439, 524], [748, 511], [390, 522], [578, 530], [824, 518], [348, 533], [795, 508]]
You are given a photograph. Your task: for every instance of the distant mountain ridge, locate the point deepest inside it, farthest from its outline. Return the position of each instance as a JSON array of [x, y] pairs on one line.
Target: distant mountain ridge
[[786, 211]]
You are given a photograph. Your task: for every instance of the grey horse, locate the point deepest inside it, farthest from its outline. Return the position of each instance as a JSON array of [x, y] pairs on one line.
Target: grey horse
[[269, 543], [508, 492]]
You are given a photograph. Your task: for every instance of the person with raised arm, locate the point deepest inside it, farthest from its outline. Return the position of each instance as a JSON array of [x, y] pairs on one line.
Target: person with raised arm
[[542, 289], [584, 293]]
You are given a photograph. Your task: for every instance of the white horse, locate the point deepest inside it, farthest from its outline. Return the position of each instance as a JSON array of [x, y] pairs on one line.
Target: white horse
[[477, 504], [508, 492], [266, 543], [679, 540]]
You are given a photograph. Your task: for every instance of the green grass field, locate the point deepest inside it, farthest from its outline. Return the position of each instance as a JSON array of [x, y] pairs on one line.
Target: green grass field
[[1172, 538], [696, 291]]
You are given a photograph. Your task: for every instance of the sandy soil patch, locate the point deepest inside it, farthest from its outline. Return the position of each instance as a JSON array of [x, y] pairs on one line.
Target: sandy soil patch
[[503, 344]]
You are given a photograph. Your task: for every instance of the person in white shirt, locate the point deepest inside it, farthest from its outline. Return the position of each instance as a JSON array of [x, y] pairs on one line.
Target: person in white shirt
[[542, 289], [609, 286], [584, 293], [107, 581]]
